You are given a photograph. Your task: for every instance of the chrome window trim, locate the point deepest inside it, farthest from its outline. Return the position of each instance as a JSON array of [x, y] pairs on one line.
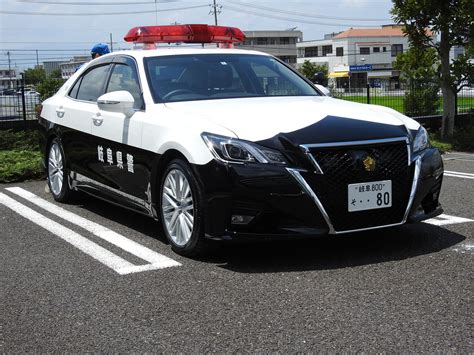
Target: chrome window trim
[[307, 189]]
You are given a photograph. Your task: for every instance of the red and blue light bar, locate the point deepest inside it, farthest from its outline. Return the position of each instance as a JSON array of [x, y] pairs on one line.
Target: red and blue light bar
[[185, 34]]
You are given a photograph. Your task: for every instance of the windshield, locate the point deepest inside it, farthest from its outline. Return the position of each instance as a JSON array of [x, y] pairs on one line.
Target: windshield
[[215, 76]]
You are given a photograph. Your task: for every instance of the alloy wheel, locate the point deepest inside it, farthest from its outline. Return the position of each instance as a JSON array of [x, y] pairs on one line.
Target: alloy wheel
[[178, 207], [55, 169]]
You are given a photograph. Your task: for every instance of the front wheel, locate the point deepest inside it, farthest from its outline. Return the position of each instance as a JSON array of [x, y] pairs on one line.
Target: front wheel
[[57, 172], [181, 209]]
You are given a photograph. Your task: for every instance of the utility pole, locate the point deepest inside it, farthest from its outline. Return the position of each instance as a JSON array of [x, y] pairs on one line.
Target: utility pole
[[215, 9], [111, 43], [9, 70], [156, 12], [37, 59]]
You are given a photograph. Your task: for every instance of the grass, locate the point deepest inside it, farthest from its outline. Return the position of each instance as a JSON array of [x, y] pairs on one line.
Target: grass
[[465, 104], [462, 140], [19, 156], [442, 145]]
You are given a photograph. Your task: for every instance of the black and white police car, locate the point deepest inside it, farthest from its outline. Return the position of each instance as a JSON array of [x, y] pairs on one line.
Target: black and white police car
[[219, 143]]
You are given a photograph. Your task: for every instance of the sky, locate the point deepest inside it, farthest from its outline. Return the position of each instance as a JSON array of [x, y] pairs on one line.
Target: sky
[[59, 29]]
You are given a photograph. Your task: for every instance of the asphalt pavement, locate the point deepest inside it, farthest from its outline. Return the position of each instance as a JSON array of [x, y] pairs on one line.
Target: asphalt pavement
[[90, 277]]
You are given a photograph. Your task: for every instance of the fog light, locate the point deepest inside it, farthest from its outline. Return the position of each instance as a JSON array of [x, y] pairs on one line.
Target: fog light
[[240, 219]]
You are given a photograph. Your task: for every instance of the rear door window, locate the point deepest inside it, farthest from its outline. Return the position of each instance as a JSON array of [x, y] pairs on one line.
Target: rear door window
[[92, 84]]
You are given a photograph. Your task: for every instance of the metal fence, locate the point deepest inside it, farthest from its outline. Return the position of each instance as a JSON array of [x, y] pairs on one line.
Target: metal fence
[[18, 104], [416, 100]]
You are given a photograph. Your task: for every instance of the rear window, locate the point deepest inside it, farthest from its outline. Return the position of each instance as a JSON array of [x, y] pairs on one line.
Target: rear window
[[214, 76]]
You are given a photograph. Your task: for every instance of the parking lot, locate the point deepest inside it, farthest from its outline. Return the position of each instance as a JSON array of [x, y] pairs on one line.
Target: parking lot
[[94, 277]]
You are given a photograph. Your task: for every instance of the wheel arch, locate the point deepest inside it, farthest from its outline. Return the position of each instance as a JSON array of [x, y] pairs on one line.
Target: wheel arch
[[157, 175]]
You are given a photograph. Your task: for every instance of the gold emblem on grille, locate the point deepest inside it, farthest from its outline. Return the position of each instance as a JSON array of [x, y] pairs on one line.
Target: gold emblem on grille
[[369, 163]]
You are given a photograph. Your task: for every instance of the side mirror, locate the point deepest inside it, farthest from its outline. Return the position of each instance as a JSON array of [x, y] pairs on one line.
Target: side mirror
[[318, 78], [117, 101]]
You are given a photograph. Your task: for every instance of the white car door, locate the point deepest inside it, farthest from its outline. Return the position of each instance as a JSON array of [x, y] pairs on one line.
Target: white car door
[[74, 115], [117, 138]]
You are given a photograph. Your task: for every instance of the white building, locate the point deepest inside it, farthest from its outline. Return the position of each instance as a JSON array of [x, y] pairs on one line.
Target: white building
[[9, 78], [281, 44], [357, 57], [69, 68], [50, 66]]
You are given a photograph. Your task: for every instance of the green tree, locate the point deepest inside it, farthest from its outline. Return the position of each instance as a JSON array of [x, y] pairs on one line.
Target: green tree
[[56, 73], [49, 87], [420, 70], [308, 69], [450, 19], [34, 76]]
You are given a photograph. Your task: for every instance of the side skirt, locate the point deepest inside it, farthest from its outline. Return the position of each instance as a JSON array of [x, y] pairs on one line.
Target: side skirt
[[119, 198]]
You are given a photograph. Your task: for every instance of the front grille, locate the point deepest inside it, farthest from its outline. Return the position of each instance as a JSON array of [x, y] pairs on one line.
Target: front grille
[[342, 165]]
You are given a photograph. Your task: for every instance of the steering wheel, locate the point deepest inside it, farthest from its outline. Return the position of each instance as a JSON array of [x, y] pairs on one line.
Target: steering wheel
[[177, 92]]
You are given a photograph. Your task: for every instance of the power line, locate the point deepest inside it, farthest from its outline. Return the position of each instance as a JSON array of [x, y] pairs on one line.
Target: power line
[[100, 14], [303, 14], [59, 42], [236, 9], [88, 3], [215, 9], [45, 50]]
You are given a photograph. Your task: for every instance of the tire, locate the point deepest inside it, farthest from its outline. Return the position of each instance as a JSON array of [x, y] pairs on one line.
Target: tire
[[58, 180], [181, 208]]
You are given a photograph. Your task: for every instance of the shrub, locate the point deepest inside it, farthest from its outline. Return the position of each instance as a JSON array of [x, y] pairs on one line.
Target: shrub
[[422, 100]]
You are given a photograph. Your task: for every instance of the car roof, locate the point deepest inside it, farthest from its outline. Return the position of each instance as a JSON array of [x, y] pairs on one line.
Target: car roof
[[184, 50]]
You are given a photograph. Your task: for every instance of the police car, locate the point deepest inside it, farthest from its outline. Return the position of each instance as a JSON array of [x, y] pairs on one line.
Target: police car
[[219, 143]]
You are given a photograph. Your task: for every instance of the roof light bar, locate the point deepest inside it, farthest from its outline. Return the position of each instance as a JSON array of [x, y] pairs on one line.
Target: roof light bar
[[185, 34]]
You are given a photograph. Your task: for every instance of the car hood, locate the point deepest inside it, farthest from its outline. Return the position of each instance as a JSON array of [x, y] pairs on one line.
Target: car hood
[[300, 120]]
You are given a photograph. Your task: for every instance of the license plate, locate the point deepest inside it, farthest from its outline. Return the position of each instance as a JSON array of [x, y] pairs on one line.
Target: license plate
[[369, 195]]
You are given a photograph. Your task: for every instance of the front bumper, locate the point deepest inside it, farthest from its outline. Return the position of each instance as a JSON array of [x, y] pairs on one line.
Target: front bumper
[[274, 201]]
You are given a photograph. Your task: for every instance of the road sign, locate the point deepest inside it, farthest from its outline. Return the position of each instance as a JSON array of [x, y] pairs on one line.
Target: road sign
[[365, 67]]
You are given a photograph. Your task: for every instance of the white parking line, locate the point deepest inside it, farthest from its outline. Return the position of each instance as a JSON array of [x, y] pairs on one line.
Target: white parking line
[[464, 248], [85, 245], [458, 174], [444, 219], [156, 260]]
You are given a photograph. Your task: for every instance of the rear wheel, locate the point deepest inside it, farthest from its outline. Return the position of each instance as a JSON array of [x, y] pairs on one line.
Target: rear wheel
[[181, 209], [57, 173]]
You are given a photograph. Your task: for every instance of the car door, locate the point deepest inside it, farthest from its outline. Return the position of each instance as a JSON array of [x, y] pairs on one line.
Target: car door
[[117, 138], [75, 113]]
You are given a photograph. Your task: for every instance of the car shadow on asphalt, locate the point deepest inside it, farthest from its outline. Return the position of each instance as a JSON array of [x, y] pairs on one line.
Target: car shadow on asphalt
[[130, 219], [312, 253], [336, 252]]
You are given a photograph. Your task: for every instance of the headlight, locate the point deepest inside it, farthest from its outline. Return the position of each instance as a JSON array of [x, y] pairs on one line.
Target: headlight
[[231, 150], [421, 140]]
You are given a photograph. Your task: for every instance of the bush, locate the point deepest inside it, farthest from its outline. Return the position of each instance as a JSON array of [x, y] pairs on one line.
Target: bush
[[19, 165], [20, 156], [422, 100], [22, 140], [462, 140]]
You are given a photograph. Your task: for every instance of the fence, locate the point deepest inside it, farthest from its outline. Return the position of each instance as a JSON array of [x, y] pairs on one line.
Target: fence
[[417, 100], [17, 106]]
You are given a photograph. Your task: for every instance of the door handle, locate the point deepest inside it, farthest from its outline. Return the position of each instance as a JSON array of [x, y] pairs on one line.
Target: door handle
[[97, 119], [60, 112]]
